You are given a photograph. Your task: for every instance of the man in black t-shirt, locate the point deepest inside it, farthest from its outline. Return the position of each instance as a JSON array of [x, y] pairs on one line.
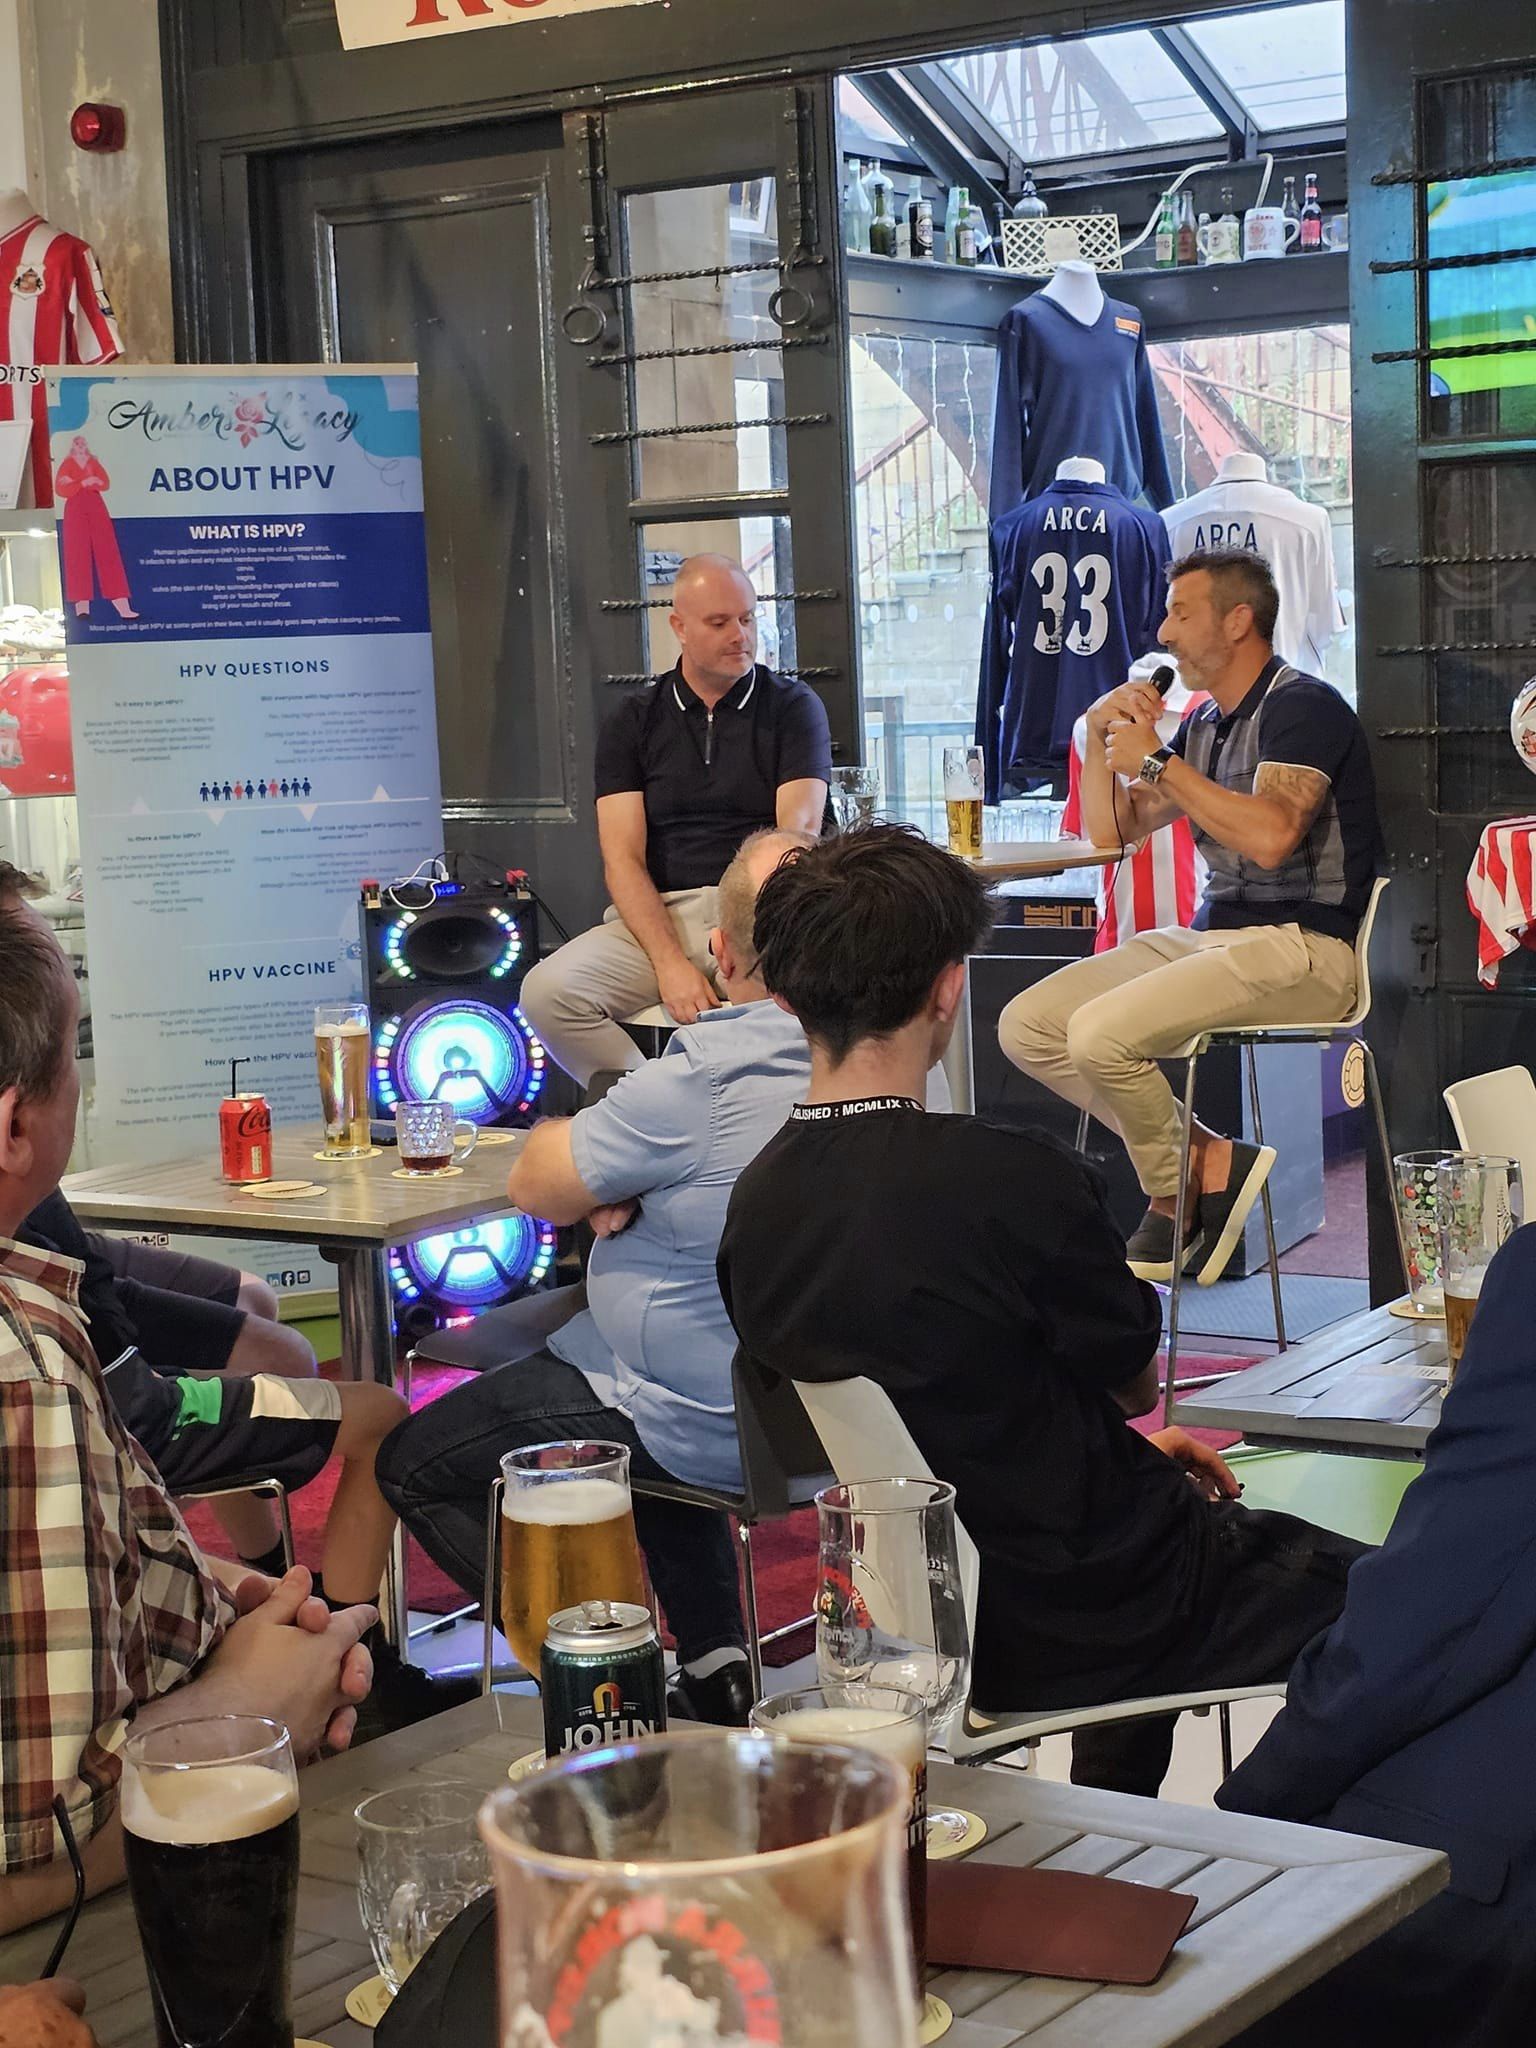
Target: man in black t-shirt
[[715, 750], [975, 1273]]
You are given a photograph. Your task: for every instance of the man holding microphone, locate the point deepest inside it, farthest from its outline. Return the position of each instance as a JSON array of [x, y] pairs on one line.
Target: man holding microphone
[[1275, 779]]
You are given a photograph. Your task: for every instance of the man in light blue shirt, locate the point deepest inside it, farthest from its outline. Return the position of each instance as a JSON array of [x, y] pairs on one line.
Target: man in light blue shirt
[[647, 1362]]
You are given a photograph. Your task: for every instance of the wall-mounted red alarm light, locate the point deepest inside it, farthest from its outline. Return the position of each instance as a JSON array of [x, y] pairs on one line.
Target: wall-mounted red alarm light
[[98, 127]]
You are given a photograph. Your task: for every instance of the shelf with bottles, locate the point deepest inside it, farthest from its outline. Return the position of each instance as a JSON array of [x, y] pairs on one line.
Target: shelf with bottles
[[910, 226]]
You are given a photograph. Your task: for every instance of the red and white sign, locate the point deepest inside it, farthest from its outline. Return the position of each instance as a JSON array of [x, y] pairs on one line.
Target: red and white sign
[[366, 22]]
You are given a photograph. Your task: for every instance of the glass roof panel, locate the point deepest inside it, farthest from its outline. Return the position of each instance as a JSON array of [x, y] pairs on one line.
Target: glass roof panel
[[863, 115], [1285, 64], [1084, 98]]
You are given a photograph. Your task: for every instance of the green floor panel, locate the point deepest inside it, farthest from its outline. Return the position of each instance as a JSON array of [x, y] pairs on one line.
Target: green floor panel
[[1356, 1496], [324, 1333]]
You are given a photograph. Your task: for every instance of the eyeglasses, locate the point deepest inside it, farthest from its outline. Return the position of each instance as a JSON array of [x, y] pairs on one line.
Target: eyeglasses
[[72, 1850]]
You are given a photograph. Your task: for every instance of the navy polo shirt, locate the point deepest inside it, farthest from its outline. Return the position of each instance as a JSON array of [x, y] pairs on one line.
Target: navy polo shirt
[[710, 777]]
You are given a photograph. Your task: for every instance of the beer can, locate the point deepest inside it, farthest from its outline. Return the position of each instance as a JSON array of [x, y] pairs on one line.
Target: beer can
[[602, 1677], [245, 1138]]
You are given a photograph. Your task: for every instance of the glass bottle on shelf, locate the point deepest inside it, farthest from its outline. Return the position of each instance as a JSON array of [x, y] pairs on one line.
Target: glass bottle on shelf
[[856, 211], [1292, 213], [1187, 240], [1310, 240], [882, 225], [919, 222], [1165, 248], [1203, 238], [965, 231], [1227, 231], [1029, 205]]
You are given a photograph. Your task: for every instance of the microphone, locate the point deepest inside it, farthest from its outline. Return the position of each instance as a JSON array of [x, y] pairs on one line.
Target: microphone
[[1163, 678]]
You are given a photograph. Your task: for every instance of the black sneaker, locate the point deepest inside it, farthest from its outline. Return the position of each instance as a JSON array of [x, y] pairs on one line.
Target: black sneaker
[[1222, 1215], [1149, 1249], [403, 1694], [724, 1698]]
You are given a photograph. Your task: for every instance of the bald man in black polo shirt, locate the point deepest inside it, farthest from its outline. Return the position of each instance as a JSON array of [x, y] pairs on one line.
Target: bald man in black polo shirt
[[714, 750]]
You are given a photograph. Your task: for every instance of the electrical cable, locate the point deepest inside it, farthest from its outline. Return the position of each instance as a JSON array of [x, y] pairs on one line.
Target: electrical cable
[[1194, 170]]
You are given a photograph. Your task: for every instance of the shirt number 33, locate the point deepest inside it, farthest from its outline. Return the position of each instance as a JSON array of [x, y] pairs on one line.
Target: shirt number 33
[[1090, 624]]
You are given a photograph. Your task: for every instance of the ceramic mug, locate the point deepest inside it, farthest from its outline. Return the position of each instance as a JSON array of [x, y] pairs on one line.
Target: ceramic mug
[[1267, 233], [1219, 241]]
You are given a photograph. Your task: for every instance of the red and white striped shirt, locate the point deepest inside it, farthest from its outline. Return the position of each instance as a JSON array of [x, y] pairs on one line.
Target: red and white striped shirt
[[1156, 887], [53, 309]]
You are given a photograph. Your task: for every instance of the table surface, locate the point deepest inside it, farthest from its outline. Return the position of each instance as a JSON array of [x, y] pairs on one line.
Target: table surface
[[1369, 1386], [1041, 856], [364, 1204], [1278, 1904]]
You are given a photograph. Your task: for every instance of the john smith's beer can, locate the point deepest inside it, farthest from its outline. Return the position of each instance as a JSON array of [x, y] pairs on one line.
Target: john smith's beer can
[[602, 1677], [245, 1138]]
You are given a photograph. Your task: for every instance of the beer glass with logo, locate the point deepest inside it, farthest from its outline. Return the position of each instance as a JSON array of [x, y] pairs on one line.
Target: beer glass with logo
[[420, 1861], [1480, 1203], [893, 1724], [1416, 1191], [709, 1887], [964, 782], [890, 1609], [429, 1136], [341, 1059], [567, 1535], [211, 1835]]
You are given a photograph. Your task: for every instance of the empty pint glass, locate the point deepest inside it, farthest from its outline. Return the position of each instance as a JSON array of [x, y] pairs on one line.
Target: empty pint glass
[[341, 1060], [567, 1535], [719, 1887], [211, 1838]]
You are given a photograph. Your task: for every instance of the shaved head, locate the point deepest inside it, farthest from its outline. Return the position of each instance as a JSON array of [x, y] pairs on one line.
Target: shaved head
[[714, 615]]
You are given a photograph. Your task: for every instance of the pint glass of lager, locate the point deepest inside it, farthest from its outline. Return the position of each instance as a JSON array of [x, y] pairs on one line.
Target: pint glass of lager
[[893, 1724], [964, 782], [1479, 1203], [341, 1059], [211, 1834], [567, 1535]]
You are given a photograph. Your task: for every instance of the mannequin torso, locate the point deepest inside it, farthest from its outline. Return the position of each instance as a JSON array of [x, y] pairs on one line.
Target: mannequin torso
[[1080, 469], [1076, 289]]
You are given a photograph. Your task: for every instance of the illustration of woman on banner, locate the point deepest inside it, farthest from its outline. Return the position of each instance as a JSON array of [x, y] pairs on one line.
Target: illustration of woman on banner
[[93, 564]]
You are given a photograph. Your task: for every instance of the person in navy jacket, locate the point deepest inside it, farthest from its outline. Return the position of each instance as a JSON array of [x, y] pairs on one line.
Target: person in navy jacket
[[1412, 1717]]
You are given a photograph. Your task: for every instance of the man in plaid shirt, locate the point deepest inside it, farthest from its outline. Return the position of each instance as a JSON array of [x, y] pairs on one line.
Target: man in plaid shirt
[[109, 1613]]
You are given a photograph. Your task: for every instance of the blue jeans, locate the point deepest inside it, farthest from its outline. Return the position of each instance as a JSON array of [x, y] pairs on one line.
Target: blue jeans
[[436, 1470]]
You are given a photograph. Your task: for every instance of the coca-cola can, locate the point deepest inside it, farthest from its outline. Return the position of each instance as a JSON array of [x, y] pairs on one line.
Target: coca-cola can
[[245, 1138]]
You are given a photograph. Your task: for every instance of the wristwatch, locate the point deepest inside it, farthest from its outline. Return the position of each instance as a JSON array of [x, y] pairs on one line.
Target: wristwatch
[[1151, 770]]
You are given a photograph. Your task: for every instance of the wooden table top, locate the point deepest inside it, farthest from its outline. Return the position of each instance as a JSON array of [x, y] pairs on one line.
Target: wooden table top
[[1369, 1386], [1278, 1904], [1041, 856], [364, 1204]]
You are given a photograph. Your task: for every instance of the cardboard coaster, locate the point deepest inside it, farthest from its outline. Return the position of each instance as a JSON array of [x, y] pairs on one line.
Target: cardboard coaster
[[1410, 1311], [284, 1190], [495, 1138], [368, 2002], [441, 1173], [933, 2023], [350, 1159], [524, 1766], [943, 1844]]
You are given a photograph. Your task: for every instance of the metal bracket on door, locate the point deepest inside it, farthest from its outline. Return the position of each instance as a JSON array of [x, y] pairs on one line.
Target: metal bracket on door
[[1426, 945], [796, 305], [585, 323]]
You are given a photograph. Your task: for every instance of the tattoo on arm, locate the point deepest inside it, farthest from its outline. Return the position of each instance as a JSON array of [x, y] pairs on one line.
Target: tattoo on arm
[[1301, 792]]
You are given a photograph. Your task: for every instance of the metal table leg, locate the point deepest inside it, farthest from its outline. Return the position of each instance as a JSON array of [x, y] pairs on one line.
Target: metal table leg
[[368, 1353]]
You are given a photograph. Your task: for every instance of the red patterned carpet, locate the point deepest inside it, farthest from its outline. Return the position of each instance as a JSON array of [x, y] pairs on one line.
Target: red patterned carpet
[[784, 1552]]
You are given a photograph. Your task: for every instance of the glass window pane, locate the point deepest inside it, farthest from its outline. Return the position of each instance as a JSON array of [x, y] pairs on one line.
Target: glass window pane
[[762, 548], [862, 119], [1085, 97], [1286, 64], [1285, 396], [686, 230]]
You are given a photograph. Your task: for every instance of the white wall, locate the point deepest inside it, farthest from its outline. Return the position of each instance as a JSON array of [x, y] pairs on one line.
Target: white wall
[[18, 130]]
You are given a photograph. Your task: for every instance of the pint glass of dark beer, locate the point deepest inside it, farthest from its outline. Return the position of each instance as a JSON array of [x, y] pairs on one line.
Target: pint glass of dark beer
[[211, 1832]]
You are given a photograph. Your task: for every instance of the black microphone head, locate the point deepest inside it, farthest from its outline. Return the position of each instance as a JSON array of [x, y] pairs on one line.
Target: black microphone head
[[1163, 678]]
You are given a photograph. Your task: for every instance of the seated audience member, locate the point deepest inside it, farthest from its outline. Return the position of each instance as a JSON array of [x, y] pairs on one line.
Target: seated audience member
[[109, 1613], [1274, 777], [975, 1273], [648, 1362], [1411, 1718], [718, 747]]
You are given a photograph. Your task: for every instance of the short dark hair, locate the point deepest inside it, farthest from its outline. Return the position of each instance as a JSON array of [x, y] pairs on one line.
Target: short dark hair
[[35, 1037], [1240, 577], [853, 932], [17, 885]]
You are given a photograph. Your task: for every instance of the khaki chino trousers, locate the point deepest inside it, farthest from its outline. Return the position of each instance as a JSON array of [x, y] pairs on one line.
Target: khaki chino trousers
[[1093, 1031]]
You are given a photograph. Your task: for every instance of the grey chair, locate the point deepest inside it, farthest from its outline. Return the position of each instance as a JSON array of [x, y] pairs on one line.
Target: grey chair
[[254, 1482]]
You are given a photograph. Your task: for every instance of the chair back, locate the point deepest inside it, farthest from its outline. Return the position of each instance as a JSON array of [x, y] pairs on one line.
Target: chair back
[[783, 1464], [1497, 1113], [866, 1438], [1362, 1007]]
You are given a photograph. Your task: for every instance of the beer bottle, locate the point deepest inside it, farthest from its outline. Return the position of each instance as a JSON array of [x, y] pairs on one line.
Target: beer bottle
[[1292, 213], [1310, 239], [1187, 240], [882, 225], [920, 222], [856, 212], [1165, 248], [965, 231]]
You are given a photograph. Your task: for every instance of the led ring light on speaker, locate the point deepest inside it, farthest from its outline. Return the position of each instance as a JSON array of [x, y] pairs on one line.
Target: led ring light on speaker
[[445, 965]]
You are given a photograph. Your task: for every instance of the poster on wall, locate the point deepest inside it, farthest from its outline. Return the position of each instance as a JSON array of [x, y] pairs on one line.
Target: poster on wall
[[251, 690], [365, 23]]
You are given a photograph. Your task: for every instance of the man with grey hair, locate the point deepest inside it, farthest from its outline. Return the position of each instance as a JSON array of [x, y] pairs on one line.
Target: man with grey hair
[[645, 1356], [717, 748]]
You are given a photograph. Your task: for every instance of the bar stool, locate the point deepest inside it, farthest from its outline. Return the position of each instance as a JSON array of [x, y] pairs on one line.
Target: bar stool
[[253, 1482]]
